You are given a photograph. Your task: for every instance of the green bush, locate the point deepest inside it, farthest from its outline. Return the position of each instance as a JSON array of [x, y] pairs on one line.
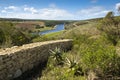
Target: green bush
[[2, 37], [11, 36], [19, 38], [99, 57], [111, 28]]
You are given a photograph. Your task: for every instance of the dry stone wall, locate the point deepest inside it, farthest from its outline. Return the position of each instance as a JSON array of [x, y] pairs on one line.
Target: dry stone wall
[[16, 60]]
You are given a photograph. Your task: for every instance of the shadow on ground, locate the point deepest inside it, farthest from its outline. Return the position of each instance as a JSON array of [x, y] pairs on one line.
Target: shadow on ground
[[34, 73]]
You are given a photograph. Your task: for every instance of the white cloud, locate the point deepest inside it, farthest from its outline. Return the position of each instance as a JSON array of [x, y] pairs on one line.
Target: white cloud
[[93, 12], [3, 11], [11, 8], [118, 6], [31, 9], [51, 13], [45, 13], [55, 13]]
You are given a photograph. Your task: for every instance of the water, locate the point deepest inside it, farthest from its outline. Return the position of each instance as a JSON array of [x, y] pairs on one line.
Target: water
[[58, 27]]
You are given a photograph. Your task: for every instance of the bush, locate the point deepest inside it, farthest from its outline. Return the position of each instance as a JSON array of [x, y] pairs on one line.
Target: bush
[[110, 26], [11, 36], [19, 38], [100, 58], [2, 37]]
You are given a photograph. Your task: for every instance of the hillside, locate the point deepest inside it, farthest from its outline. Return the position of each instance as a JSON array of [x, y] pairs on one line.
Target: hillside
[[94, 55]]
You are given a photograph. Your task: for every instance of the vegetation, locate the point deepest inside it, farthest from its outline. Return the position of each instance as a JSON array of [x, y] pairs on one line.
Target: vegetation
[[50, 36], [93, 56], [57, 56], [11, 36], [43, 29], [96, 56], [16, 33], [95, 53], [110, 26]]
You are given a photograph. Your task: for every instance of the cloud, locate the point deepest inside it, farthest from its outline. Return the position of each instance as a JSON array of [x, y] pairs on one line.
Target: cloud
[[51, 13], [3, 11], [55, 13], [94, 1], [118, 6], [33, 13], [93, 12], [31, 9], [47, 13], [11, 8]]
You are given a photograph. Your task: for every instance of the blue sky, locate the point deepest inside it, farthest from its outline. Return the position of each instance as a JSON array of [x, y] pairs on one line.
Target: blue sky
[[57, 9]]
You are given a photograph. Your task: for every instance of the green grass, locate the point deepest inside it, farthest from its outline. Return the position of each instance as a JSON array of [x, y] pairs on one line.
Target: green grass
[[44, 29], [50, 36], [93, 52], [61, 71], [53, 34]]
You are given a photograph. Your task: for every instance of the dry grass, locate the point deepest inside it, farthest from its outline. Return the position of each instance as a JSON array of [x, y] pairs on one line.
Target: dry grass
[[87, 29]]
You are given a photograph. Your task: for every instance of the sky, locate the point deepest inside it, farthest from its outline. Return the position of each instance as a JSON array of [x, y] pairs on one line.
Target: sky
[[57, 9]]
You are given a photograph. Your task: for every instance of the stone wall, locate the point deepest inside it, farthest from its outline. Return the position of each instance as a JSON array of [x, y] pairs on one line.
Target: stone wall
[[16, 60]]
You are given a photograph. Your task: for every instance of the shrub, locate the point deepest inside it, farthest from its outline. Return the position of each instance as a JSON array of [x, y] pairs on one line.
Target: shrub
[[19, 38], [99, 57], [2, 37], [11, 36], [110, 26], [74, 64], [57, 56]]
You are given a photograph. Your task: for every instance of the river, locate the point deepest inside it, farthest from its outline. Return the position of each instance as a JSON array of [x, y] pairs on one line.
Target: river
[[58, 27]]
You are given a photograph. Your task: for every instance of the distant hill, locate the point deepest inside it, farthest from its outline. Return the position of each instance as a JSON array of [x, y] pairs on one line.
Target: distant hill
[[57, 21]]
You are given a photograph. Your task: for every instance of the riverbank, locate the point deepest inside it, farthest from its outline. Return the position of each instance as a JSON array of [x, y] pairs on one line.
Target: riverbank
[[44, 29], [57, 28], [53, 34]]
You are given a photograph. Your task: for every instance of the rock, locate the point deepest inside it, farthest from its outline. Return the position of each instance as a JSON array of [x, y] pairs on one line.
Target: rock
[[18, 73]]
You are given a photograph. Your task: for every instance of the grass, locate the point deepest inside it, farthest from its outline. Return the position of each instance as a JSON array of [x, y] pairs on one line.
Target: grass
[[61, 71], [92, 54], [50, 36], [44, 29], [54, 34], [88, 29]]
